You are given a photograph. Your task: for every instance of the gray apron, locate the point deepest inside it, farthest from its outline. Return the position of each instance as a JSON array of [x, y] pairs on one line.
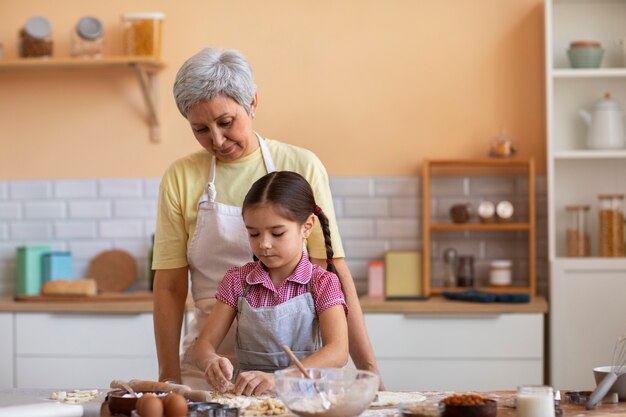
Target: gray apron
[[220, 242], [262, 331]]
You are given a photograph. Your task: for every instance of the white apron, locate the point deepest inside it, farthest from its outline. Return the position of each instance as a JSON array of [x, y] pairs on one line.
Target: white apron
[[220, 242]]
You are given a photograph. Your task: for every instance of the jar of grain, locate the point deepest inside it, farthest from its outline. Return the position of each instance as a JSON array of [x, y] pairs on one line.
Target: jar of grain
[[87, 38], [142, 33], [611, 224], [577, 233], [35, 38]]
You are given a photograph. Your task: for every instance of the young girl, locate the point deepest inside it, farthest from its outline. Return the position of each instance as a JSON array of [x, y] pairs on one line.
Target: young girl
[[281, 299]]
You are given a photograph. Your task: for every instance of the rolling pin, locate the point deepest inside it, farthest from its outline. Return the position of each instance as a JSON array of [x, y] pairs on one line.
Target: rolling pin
[[142, 385]]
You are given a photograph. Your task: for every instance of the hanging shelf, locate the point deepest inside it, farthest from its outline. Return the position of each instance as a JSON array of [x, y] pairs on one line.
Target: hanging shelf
[[146, 70]]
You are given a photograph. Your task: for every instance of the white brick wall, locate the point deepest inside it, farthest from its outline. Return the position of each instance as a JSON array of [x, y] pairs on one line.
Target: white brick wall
[[374, 214]]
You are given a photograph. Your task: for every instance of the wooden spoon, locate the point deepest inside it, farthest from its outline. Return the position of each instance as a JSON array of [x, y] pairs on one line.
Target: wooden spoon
[[325, 401]]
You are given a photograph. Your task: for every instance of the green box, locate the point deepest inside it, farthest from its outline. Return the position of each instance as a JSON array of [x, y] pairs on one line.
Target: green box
[[30, 269]]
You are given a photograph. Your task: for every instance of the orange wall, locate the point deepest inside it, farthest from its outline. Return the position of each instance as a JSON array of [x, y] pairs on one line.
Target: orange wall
[[371, 86]]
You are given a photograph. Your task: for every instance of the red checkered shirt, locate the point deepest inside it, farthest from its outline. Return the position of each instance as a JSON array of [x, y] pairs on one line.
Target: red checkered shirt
[[325, 286]]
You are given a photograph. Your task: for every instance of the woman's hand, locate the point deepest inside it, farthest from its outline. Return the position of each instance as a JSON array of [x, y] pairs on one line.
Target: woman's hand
[[254, 383], [218, 373]]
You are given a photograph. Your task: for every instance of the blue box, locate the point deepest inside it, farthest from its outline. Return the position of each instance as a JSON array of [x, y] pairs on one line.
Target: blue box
[[57, 265]]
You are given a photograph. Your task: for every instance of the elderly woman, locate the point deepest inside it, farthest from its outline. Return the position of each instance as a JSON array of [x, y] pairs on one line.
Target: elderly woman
[[200, 231]]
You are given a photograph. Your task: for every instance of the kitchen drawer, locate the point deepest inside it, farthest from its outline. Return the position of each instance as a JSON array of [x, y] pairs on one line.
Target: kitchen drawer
[[82, 372], [6, 350], [498, 336], [89, 335], [459, 374]]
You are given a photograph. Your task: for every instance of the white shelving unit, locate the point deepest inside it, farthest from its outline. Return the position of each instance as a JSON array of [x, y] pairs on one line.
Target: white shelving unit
[[587, 311]]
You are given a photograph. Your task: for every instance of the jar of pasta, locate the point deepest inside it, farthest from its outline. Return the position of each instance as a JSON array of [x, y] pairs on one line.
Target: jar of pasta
[[611, 224], [142, 33], [577, 233]]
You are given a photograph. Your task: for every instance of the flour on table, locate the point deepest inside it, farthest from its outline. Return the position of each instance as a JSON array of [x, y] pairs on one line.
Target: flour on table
[[388, 398]]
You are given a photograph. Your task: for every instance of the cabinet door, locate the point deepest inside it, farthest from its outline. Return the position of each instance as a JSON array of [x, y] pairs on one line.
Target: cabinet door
[[83, 350], [6, 350], [470, 352], [588, 314]]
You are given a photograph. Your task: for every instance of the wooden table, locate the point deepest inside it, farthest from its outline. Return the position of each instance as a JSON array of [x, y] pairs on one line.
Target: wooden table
[[505, 401]]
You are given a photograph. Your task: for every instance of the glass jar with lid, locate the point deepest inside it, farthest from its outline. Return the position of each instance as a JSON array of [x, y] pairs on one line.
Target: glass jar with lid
[[35, 38], [142, 33], [87, 38], [577, 232], [611, 224]]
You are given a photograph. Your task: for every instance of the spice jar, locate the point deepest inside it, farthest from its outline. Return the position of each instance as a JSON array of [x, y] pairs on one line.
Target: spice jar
[[500, 272], [611, 225], [465, 271], [87, 38], [35, 38], [577, 233], [142, 33]]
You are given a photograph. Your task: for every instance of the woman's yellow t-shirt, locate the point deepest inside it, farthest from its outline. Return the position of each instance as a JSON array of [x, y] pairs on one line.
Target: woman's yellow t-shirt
[[184, 181]]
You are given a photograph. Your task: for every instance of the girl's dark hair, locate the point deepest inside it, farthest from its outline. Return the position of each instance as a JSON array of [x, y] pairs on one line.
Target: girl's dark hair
[[292, 196]]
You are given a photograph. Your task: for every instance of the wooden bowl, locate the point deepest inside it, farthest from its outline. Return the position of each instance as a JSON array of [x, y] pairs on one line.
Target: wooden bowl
[[489, 409], [119, 404]]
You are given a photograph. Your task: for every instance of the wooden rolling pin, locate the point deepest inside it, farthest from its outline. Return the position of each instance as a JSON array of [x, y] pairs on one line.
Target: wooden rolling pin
[[142, 385]]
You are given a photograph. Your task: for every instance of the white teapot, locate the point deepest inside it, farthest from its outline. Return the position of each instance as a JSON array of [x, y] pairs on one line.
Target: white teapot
[[606, 124]]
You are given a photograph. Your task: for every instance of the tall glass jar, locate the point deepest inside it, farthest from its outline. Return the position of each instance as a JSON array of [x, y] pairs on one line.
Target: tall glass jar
[[577, 232], [465, 272], [142, 33], [611, 224]]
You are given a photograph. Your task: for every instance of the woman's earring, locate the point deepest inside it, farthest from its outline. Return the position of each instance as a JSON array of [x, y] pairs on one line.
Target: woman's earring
[[253, 115]]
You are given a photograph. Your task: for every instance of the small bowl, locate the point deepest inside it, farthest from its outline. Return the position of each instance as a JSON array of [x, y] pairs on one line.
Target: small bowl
[[489, 409], [350, 391], [119, 404], [585, 57], [422, 409], [619, 387]]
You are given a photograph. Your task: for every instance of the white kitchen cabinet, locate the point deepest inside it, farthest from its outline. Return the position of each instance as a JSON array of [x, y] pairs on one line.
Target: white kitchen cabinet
[[588, 315], [587, 311], [6, 350], [422, 352], [55, 350]]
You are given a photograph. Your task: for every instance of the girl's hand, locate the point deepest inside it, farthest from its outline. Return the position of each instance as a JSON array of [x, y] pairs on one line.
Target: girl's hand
[[254, 383], [218, 373]]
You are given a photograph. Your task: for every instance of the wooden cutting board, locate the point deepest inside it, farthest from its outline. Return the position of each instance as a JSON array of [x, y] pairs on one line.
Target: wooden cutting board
[[114, 270], [115, 296]]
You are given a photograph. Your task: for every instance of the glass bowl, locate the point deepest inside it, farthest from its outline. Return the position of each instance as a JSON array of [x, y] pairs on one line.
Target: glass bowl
[[348, 391]]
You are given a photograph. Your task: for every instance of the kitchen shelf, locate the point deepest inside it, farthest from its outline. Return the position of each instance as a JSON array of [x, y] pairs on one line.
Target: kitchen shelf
[[474, 167], [146, 70], [589, 73], [479, 226], [590, 154]]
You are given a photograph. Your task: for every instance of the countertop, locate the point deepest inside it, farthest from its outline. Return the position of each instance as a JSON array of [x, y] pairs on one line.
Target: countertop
[[434, 305], [505, 399]]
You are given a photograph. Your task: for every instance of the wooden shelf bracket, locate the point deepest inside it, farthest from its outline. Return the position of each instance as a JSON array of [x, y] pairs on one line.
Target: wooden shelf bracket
[[149, 82]]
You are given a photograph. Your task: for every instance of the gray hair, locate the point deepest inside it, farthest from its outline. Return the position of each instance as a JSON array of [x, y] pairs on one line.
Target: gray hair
[[214, 72]]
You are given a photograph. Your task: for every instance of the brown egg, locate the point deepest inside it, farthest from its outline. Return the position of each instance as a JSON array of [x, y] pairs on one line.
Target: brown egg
[[175, 405], [149, 405]]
